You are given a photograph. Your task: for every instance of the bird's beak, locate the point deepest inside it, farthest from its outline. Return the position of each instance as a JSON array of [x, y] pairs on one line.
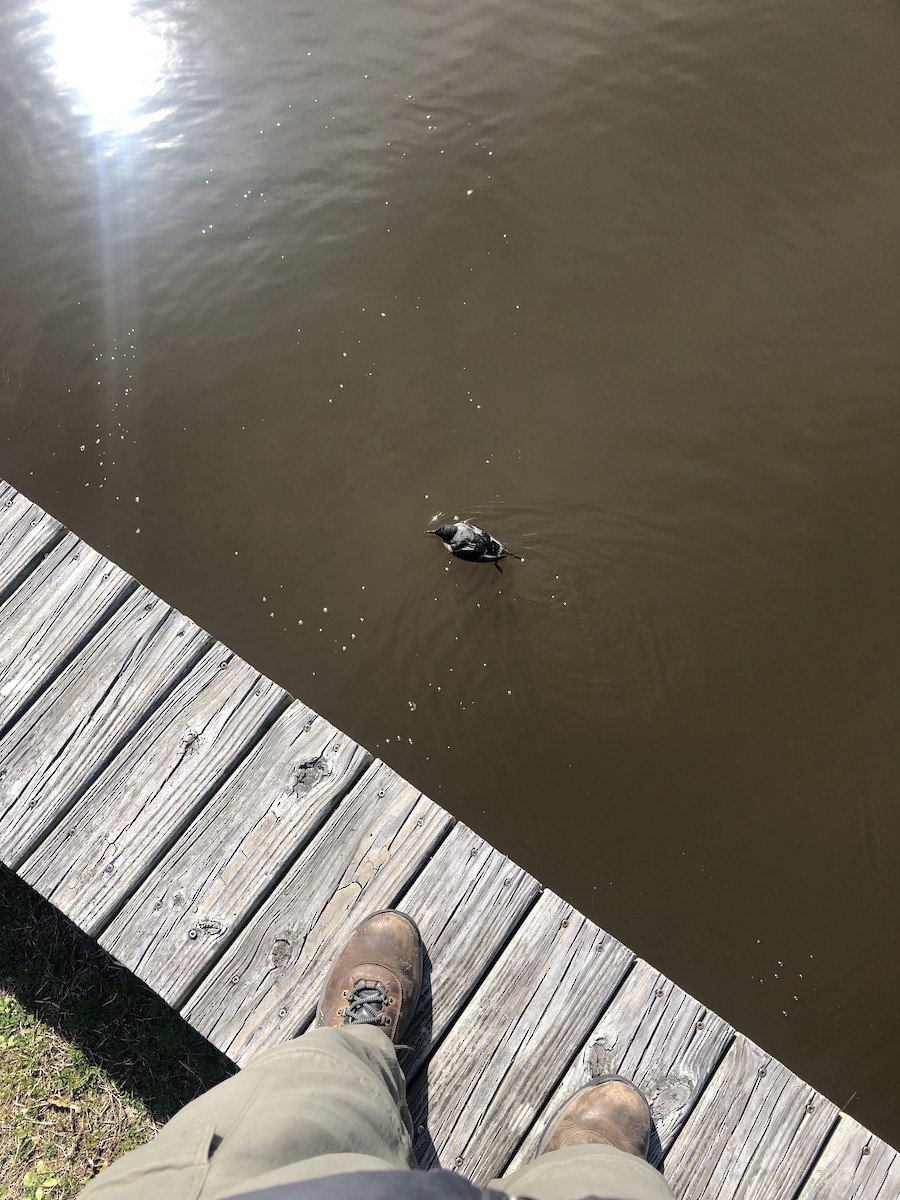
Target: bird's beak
[[431, 531]]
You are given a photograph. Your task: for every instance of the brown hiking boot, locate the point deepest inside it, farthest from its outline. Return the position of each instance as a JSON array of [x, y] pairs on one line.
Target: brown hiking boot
[[610, 1111], [376, 977]]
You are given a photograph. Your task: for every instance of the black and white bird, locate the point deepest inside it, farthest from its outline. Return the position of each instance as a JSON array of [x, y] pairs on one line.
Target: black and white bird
[[467, 541]]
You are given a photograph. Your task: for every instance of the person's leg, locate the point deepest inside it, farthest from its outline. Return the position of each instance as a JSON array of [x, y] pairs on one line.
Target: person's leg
[[586, 1171], [331, 1101], [596, 1146]]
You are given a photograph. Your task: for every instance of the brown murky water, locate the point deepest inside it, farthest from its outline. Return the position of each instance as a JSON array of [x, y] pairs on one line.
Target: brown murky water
[[618, 281]]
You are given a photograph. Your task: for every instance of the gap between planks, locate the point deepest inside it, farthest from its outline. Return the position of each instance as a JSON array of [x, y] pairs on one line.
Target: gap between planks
[[753, 1134], [854, 1164], [212, 881], [68, 736], [655, 1034], [514, 1039], [113, 836], [27, 533], [50, 617]]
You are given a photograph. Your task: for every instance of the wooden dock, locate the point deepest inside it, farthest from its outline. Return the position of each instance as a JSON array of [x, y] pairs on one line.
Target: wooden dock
[[219, 838]]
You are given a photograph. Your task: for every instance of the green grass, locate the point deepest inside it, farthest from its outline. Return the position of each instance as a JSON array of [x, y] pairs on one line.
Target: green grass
[[91, 1061]]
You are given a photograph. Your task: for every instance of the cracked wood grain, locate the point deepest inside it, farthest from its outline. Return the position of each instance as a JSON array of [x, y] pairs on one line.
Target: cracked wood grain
[[854, 1165], [502, 1058], [659, 1037], [194, 903], [27, 533], [87, 714], [51, 616], [754, 1132], [267, 984], [119, 829]]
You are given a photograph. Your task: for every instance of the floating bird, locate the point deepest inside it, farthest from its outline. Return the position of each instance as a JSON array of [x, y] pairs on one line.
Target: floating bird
[[471, 543]]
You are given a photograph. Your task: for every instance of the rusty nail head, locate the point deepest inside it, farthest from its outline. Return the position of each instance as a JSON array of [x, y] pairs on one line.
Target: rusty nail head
[[282, 1012], [660, 992], [336, 748], [192, 934], [761, 1072], [473, 852], [810, 1108], [866, 1150], [258, 692], [9, 504], [700, 1024], [307, 728], [222, 665], [564, 923], [235, 979], [507, 882], [420, 822], [381, 793], [459, 1161]]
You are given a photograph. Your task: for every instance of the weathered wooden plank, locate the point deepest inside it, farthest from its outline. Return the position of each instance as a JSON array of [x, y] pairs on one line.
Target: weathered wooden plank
[[197, 899], [503, 1057], [754, 1132], [467, 903], [51, 615], [854, 1165], [658, 1036], [120, 828], [87, 714], [26, 534], [266, 986]]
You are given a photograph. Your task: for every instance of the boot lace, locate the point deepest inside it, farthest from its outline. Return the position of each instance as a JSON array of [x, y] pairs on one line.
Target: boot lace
[[365, 1004]]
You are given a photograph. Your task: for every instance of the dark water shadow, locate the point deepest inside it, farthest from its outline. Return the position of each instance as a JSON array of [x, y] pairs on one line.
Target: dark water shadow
[[67, 981]]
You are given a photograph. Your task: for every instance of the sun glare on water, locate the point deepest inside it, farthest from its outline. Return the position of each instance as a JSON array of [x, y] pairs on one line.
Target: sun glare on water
[[110, 60]]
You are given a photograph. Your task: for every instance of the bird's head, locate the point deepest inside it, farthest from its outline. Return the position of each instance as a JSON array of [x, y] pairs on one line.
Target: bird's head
[[444, 532]]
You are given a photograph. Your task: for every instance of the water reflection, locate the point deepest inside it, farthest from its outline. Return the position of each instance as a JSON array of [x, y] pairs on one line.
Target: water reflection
[[108, 59]]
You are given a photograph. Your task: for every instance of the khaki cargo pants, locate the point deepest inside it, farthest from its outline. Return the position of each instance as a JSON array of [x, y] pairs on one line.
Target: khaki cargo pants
[[331, 1101]]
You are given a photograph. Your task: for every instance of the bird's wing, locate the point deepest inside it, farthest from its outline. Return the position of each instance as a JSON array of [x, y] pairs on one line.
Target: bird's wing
[[467, 537]]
